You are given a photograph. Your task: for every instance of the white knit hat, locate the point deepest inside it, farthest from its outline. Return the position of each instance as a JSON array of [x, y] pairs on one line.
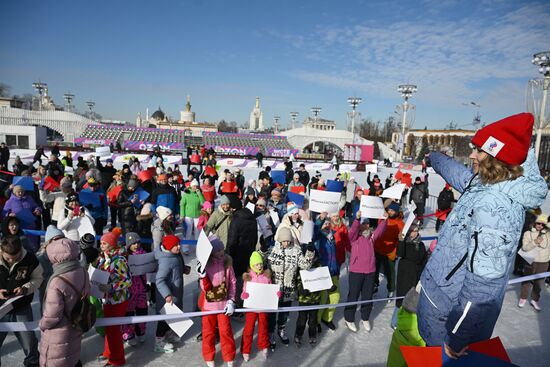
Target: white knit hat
[[194, 183], [163, 212]]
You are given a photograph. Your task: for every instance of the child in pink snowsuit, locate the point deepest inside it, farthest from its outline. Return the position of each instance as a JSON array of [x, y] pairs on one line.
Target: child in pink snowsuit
[[256, 274], [137, 304]]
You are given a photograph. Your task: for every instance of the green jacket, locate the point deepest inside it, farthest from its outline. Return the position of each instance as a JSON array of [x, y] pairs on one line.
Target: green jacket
[[308, 298], [190, 204], [219, 228], [406, 334]]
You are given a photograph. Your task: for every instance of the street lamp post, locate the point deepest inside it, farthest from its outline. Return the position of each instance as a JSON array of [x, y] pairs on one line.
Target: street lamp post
[[406, 91], [293, 116], [542, 60], [40, 88], [68, 98], [90, 105], [354, 102], [276, 118]]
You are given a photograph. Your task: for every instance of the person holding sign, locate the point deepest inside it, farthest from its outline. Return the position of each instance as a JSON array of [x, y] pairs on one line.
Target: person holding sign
[[291, 221], [169, 281], [362, 268], [536, 240], [285, 259], [117, 293], [97, 209], [307, 298], [257, 274], [386, 248], [126, 204], [72, 217], [190, 209], [137, 304], [218, 285], [412, 257]]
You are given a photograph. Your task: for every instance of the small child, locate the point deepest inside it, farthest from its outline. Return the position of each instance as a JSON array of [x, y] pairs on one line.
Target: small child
[[169, 280], [137, 304], [218, 284], [307, 298], [256, 274], [205, 215]]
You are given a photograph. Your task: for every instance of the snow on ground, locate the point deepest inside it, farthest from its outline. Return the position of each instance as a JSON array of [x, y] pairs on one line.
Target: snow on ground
[[524, 332]]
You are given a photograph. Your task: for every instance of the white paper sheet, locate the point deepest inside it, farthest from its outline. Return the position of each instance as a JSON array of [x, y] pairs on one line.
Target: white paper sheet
[[274, 217], [529, 256], [372, 207], [85, 226], [307, 232], [408, 223], [324, 201], [8, 306], [102, 151], [317, 279], [204, 248], [350, 191], [264, 226], [394, 192], [142, 263], [262, 296], [97, 277], [373, 168], [250, 206], [180, 327]]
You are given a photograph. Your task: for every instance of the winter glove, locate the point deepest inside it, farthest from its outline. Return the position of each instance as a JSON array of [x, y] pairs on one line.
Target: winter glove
[[264, 247], [245, 295], [279, 294], [229, 308], [333, 288], [200, 270]]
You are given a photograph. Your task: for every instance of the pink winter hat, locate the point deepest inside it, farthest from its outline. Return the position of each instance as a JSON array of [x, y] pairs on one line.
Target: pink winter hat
[[207, 205]]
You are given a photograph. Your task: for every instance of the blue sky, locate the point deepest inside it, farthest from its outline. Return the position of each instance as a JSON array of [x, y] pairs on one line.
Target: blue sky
[[130, 55]]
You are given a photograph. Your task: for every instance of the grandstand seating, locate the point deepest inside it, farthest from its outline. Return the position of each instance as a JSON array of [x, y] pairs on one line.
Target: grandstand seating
[[262, 141]]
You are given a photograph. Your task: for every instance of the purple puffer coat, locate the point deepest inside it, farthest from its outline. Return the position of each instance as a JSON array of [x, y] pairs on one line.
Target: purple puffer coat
[[60, 342], [23, 208]]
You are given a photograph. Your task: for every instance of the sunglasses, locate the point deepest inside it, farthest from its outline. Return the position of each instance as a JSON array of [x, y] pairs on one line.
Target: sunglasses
[[260, 206], [540, 224]]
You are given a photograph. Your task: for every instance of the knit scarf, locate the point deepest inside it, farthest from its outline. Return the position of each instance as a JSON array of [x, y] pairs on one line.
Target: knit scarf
[[62, 268]]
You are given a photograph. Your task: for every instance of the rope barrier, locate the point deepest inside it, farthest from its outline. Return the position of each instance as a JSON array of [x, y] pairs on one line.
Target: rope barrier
[[110, 321]]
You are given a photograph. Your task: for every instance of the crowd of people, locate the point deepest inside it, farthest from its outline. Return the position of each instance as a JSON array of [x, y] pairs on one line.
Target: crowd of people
[[255, 230]]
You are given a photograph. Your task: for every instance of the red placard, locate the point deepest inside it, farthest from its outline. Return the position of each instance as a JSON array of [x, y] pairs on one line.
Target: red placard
[[210, 171], [146, 175], [195, 158], [50, 184], [297, 189], [407, 179], [229, 186], [398, 175]]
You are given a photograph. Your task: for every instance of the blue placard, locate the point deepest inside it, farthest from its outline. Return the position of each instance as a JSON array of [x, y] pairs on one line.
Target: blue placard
[[278, 177], [298, 199], [26, 217], [25, 181], [89, 198], [335, 186], [141, 194], [474, 359]]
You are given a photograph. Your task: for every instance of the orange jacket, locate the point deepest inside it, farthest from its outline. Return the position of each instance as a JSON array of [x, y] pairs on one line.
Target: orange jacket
[[387, 243]]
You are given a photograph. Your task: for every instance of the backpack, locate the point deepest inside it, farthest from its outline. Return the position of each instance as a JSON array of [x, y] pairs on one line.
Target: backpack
[[83, 314]]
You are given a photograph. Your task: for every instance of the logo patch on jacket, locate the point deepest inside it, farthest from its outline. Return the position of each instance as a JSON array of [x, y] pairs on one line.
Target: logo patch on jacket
[[22, 273]]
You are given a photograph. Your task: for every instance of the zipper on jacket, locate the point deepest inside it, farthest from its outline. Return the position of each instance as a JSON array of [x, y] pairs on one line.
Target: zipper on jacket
[[474, 252], [457, 266]]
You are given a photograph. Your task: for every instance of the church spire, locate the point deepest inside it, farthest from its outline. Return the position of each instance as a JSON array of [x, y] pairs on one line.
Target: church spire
[[257, 102]]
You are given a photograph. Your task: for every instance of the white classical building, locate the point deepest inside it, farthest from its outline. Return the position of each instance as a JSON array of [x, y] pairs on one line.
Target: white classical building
[[256, 117]]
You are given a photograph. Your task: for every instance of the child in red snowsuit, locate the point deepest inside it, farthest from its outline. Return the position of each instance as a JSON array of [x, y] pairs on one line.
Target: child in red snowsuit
[[256, 274], [218, 288]]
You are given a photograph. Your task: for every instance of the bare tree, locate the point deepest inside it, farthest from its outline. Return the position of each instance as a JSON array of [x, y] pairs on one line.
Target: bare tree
[[4, 90]]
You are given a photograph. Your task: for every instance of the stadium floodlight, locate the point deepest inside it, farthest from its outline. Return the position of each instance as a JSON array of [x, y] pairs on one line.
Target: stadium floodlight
[[316, 111], [293, 116], [276, 123], [40, 88], [68, 98], [354, 102], [90, 105], [406, 91], [535, 103]]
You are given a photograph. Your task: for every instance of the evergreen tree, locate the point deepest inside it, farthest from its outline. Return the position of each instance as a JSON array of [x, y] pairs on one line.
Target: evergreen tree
[[424, 149]]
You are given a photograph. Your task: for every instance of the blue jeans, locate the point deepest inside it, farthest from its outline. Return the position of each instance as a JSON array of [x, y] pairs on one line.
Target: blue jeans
[[27, 339]]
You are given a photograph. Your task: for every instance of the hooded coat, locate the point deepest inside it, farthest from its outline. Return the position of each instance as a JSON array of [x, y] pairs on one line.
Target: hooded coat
[[60, 341], [464, 281], [242, 239], [169, 278]]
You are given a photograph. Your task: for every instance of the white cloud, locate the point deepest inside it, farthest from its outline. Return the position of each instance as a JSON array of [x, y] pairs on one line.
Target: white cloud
[[450, 60]]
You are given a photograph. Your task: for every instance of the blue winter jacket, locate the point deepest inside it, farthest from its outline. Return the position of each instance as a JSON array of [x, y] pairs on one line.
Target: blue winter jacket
[[464, 282], [169, 279], [326, 245]]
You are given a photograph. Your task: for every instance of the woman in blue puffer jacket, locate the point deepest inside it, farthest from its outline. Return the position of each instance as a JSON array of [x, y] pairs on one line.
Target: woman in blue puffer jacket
[[464, 281]]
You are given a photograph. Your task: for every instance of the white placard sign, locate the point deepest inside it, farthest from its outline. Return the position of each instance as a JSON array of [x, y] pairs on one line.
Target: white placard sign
[[372, 207], [204, 248], [8, 306], [261, 296], [142, 263], [410, 219], [306, 236], [350, 191], [373, 168], [529, 256], [85, 225], [317, 279], [264, 226], [180, 327], [394, 192], [97, 277], [324, 201], [102, 151], [250, 206], [274, 217]]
